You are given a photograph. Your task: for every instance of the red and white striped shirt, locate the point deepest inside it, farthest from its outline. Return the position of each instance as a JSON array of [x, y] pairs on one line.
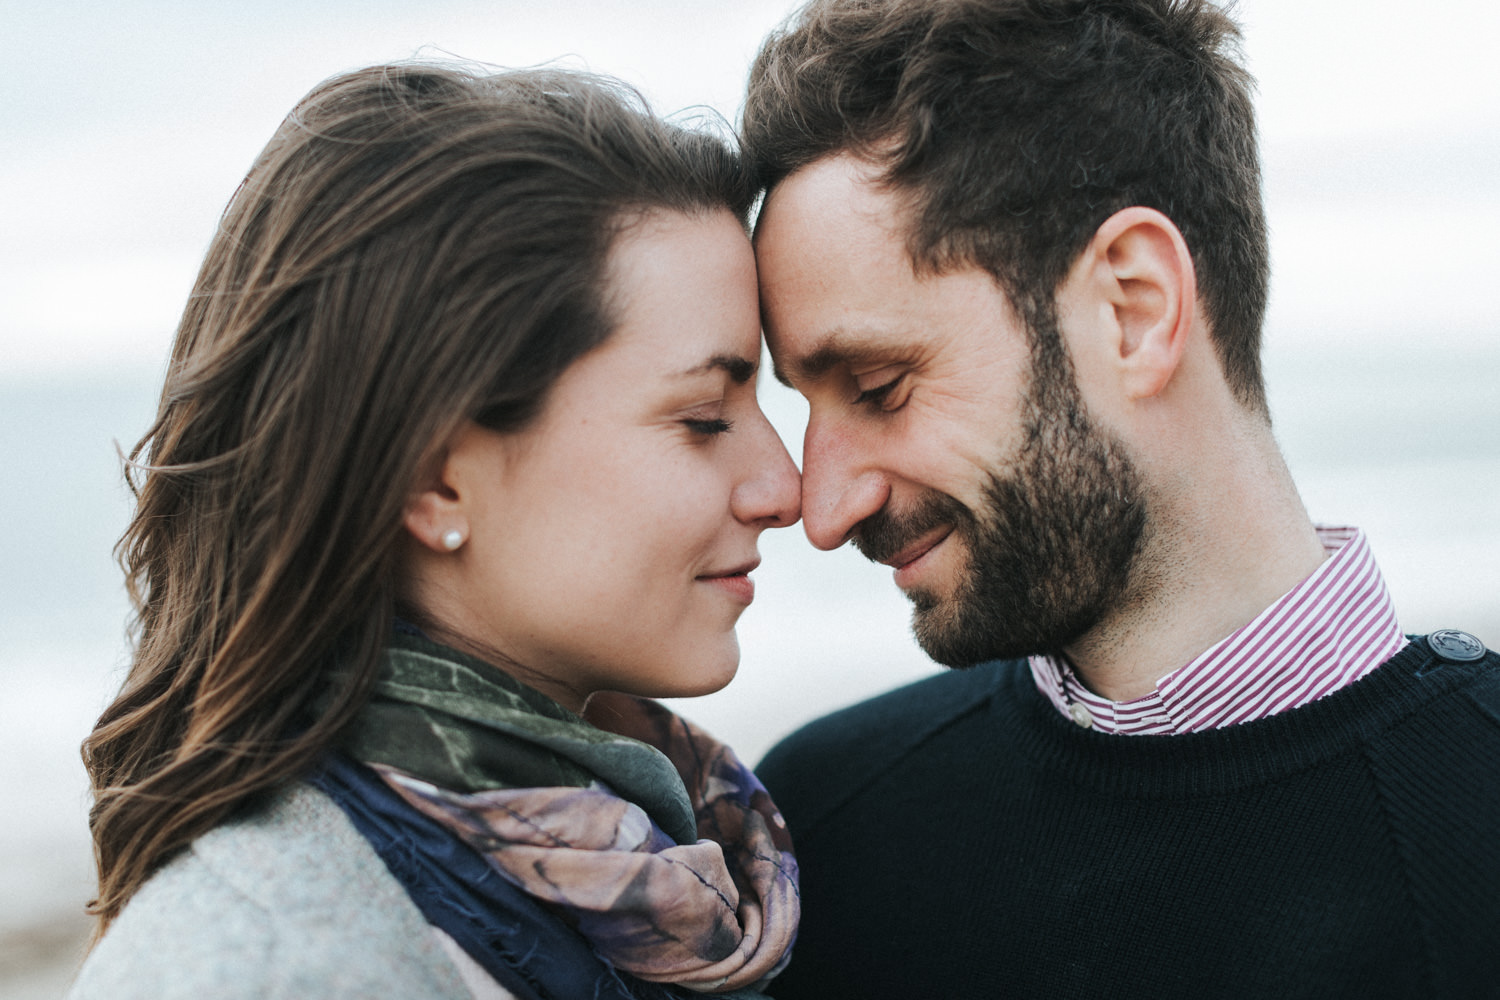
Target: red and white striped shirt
[[1328, 631]]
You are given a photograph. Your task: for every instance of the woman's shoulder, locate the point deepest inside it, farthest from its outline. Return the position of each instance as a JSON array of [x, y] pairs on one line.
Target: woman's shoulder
[[286, 901]]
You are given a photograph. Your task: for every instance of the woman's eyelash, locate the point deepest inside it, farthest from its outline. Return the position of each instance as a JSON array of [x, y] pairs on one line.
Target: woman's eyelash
[[708, 427], [877, 394]]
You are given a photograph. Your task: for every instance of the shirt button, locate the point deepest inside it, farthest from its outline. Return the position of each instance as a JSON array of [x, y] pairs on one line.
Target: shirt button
[[1080, 715], [1454, 646]]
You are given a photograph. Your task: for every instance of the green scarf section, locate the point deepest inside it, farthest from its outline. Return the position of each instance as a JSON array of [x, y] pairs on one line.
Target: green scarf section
[[461, 724], [660, 847]]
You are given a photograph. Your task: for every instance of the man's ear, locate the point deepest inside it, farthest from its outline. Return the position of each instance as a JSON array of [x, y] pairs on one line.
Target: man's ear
[[434, 513], [1145, 272]]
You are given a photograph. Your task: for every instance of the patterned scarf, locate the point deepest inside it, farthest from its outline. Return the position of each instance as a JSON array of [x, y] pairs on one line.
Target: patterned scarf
[[645, 833]]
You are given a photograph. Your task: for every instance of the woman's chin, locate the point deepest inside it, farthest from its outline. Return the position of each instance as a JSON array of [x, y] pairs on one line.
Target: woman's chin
[[697, 676]]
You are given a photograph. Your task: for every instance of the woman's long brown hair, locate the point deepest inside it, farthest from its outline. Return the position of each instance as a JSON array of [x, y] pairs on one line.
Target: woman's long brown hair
[[417, 245]]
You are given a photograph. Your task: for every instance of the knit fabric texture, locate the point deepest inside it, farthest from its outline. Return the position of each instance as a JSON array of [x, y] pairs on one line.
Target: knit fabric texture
[[283, 903], [958, 839]]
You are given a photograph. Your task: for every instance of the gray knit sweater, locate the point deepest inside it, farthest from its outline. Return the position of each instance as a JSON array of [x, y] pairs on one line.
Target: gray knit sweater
[[290, 902]]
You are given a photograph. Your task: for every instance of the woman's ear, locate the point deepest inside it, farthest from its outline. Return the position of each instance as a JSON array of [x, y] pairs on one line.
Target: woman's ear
[[435, 514], [1146, 273]]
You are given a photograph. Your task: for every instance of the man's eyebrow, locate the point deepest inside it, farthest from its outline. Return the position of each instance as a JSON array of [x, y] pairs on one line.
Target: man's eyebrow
[[837, 349], [740, 370]]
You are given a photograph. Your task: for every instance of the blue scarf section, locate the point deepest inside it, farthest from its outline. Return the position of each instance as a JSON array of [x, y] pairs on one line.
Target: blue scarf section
[[527, 949]]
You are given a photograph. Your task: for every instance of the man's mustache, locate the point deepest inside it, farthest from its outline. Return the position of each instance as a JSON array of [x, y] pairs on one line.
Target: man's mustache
[[886, 532]]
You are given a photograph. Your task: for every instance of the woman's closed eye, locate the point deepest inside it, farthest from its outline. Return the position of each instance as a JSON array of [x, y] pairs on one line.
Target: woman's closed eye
[[708, 427]]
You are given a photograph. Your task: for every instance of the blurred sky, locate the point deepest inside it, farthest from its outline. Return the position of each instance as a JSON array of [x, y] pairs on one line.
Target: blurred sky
[[124, 127]]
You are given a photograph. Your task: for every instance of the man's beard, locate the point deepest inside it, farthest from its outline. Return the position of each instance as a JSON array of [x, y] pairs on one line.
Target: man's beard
[[1049, 553]]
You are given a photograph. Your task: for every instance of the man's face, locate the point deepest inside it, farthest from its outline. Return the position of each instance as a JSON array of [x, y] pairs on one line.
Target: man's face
[[933, 441]]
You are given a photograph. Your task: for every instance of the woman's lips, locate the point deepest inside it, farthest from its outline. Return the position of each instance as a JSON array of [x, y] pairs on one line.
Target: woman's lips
[[737, 585], [910, 561], [735, 582]]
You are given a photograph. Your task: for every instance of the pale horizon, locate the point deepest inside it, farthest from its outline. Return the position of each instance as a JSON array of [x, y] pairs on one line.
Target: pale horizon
[[129, 125]]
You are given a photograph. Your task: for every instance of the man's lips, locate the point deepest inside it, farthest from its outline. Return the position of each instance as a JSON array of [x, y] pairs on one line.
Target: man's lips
[[907, 562], [919, 548]]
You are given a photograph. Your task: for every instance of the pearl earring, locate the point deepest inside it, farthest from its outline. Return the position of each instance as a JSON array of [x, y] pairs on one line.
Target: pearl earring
[[452, 539]]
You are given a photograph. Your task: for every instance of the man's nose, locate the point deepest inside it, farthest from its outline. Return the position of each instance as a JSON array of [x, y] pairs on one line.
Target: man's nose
[[841, 484]]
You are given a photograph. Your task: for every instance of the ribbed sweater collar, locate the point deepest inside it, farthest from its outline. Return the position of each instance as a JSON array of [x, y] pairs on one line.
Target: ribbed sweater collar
[[1223, 760]]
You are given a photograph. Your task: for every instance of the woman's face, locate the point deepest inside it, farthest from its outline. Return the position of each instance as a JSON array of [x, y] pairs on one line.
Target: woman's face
[[608, 543]]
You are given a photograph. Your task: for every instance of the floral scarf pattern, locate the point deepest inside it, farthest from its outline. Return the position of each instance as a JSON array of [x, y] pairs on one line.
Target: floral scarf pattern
[[650, 837]]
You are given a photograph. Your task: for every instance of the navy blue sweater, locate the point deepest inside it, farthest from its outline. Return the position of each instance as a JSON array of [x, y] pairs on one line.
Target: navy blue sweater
[[959, 838]]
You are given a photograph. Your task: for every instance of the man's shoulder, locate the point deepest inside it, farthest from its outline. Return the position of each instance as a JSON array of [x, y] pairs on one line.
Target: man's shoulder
[[834, 756], [1453, 723], [912, 711]]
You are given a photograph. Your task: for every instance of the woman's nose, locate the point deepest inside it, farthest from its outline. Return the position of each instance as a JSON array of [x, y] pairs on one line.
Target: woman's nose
[[771, 496]]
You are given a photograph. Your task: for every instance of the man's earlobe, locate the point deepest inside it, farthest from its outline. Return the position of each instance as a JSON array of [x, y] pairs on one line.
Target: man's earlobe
[[1152, 287]]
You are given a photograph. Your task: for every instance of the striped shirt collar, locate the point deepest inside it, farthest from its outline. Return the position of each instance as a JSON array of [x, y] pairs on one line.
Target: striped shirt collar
[[1328, 631]]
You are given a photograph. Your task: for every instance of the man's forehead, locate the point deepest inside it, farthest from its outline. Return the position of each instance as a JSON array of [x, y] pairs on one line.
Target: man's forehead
[[841, 191], [839, 290], [828, 246]]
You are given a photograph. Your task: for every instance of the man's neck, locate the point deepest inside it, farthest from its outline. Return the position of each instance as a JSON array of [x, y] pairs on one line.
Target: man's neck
[[1225, 540]]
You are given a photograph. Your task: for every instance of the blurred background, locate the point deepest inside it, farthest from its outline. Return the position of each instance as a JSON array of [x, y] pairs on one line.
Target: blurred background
[[125, 127]]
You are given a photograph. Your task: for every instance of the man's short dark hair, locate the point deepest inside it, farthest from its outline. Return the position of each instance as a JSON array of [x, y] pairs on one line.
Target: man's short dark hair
[[1014, 128]]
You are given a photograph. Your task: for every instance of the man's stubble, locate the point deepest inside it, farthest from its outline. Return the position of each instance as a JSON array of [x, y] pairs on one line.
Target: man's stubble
[[1050, 552]]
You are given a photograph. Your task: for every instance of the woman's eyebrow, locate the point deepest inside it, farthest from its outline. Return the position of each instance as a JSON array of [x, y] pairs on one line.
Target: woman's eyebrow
[[739, 369]]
